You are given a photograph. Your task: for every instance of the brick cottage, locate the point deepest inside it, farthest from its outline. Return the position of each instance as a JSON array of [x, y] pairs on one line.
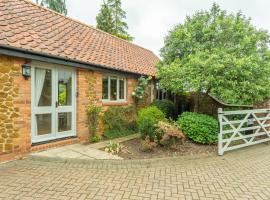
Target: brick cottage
[[72, 66]]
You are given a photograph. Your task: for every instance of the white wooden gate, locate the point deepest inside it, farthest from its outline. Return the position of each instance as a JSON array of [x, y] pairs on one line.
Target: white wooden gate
[[242, 128]]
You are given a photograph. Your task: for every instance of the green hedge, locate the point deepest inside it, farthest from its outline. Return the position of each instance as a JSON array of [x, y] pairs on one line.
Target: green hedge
[[167, 107], [200, 128], [147, 120], [120, 121]]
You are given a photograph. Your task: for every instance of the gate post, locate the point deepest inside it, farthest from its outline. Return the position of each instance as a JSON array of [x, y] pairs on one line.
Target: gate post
[[220, 137]]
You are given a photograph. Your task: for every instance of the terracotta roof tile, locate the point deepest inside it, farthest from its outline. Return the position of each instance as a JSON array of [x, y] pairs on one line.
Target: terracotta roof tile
[[26, 25]]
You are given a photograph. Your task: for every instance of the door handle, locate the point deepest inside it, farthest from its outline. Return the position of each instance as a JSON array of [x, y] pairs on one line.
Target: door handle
[[56, 104]]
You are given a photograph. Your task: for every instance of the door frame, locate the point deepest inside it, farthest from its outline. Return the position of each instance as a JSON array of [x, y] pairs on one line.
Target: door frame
[[53, 109]]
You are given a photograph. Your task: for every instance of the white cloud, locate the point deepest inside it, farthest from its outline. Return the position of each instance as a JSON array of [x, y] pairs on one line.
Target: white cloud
[[150, 20]]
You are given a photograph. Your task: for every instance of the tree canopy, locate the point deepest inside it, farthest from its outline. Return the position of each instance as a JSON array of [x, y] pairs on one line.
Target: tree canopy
[[105, 19], [56, 5], [217, 53], [111, 19]]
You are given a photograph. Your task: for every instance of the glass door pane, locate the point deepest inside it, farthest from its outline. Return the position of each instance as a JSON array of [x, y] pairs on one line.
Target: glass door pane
[[64, 121], [65, 107], [43, 87], [43, 102], [44, 124], [64, 88]]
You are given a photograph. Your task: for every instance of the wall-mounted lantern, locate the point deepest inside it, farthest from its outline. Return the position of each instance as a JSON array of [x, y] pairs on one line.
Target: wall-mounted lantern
[[26, 71]]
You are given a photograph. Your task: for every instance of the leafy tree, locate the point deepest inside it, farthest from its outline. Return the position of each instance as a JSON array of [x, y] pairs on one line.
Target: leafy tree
[[105, 19], [56, 5], [111, 19], [217, 53]]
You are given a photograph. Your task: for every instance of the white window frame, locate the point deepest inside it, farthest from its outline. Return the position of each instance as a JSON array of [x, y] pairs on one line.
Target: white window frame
[[117, 88]]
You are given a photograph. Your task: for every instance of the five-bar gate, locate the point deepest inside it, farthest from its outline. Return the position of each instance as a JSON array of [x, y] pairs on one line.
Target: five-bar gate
[[242, 128]]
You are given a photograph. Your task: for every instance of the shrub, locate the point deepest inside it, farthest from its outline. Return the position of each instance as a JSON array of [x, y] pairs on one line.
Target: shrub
[[113, 148], [147, 119], [109, 135], [120, 121], [199, 127], [95, 138], [170, 133], [93, 113], [140, 91], [147, 146], [167, 107]]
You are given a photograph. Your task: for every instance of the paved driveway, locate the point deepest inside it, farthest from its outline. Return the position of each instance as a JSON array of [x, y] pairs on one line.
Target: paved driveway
[[243, 175]]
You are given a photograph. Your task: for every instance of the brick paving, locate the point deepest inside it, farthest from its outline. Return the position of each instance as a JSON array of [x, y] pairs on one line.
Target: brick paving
[[239, 175]]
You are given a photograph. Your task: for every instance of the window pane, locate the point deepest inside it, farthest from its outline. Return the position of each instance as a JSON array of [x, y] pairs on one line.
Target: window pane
[[44, 124], [122, 88], [43, 87], [64, 88], [64, 122], [105, 91], [113, 95]]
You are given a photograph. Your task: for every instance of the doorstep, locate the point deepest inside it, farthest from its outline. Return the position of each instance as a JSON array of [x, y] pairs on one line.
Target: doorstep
[[75, 151], [54, 144]]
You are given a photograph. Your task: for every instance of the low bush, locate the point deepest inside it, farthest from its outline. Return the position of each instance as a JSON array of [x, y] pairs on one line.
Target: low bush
[[120, 121], [200, 128], [113, 148], [167, 107], [170, 132], [109, 135], [95, 138], [147, 145], [147, 120]]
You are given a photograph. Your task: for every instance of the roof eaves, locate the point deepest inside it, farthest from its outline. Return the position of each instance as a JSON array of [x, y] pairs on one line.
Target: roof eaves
[[19, 52]]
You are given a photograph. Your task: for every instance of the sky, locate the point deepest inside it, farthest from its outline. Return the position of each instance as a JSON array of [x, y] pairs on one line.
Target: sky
[[150, 20]]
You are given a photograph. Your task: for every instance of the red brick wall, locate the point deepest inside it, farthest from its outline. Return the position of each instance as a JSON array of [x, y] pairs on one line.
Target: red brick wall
[[89, 86]]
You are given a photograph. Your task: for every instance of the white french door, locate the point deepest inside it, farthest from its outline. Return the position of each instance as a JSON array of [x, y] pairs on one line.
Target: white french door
[[53, 102]]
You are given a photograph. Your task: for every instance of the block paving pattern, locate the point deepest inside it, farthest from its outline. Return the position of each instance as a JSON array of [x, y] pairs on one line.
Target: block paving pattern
[[239, 175]]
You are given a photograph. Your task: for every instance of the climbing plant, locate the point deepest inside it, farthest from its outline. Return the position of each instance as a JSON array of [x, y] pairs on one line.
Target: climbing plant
[[140, 91]]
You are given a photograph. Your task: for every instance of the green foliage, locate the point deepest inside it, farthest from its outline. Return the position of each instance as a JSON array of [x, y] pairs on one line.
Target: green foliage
[[148, 118], [109, 135], [140, 91], [200, 128], [62, 98], [110, 19], [218, 53], [95, 138], [105, 19], [56, 5], [166, 106], [62, 93], [93, 113], [120, 121]]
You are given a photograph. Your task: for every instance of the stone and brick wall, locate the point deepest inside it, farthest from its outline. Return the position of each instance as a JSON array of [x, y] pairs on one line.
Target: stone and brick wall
[[15, 107]]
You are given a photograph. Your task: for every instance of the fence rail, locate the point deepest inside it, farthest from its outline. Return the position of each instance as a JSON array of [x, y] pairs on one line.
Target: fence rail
[[242, 128]]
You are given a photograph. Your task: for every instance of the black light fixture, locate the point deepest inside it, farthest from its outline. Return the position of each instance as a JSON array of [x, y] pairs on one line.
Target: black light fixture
[[26, 71]]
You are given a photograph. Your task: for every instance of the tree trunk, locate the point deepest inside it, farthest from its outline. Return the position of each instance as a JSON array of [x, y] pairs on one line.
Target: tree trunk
[[196, 102]]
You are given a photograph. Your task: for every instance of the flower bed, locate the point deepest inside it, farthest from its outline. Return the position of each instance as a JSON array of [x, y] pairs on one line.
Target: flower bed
[[133, 149]]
